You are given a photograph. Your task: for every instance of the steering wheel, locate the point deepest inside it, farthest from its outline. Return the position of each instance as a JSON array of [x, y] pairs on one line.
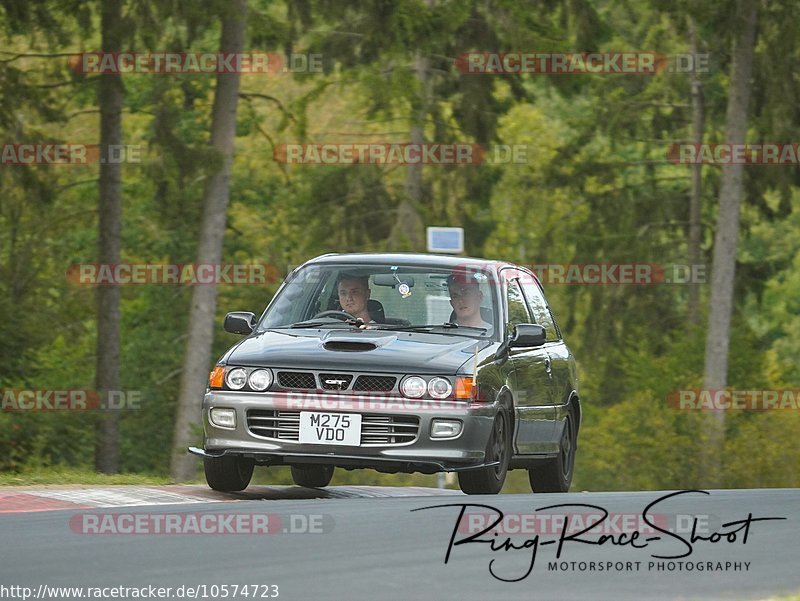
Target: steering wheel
[[343, 315]]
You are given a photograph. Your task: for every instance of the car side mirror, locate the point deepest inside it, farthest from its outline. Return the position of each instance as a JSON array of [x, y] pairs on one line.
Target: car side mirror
[[524, 335], [240, 322], [528, 334]]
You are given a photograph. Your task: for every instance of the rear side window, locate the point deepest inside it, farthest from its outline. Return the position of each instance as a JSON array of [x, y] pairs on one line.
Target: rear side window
[[539, 309]]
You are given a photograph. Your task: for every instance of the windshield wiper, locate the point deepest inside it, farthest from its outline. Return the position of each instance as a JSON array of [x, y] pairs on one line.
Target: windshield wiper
[[447, 325], [315, 323]]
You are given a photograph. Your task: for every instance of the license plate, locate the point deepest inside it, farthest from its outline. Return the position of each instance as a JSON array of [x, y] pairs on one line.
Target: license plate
[[330, 428]]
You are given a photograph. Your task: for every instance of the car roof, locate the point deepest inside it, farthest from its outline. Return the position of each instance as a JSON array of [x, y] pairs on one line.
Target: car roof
[[415, 259]]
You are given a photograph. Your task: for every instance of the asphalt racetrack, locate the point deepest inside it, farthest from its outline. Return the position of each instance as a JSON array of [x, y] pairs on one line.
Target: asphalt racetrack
[[369, 543]]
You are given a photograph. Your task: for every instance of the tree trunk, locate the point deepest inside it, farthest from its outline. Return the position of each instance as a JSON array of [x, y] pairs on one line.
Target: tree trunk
[[726, 238], [407, 231], [197, 359], [695, 200], [109, 100]]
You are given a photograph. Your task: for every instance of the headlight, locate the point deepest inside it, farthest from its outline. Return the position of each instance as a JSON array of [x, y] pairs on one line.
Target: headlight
[[260, 379], [439, 388], [236, 378], [413, 387]]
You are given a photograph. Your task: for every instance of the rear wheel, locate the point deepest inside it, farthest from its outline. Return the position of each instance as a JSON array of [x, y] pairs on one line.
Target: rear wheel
[[555, 475], [228, 473], [489, 480], [312, 476]]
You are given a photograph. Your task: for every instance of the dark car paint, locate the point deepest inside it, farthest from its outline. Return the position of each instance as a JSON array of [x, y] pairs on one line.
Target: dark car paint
[[537, 383], [396, 352]]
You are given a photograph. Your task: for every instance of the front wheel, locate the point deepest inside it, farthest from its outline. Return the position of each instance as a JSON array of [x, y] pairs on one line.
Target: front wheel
[[312, 476], [228, 473], [555, 475], [489, 480]]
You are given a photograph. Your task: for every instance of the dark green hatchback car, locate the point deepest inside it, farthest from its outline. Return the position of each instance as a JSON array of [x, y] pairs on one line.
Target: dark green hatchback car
[[399, 363]]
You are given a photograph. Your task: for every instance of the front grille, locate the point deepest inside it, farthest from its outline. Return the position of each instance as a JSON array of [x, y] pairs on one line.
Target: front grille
[[335, 381], [376, 429], [296, 379], [388, 429], [374, 383], [306, 380], [283, 425]]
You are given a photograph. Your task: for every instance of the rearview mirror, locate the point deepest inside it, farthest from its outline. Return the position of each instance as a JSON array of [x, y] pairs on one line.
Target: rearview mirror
[[528, 334], [388, 279], [240, 322]]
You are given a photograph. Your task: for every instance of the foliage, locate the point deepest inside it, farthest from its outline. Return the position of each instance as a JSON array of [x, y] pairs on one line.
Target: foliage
[[595, 188]]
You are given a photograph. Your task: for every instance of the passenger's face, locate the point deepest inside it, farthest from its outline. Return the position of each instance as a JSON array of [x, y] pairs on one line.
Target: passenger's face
[[466, 301], [353, 296]]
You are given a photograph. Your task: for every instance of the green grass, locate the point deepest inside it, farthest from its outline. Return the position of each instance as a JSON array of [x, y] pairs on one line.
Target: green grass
[[71, 475]]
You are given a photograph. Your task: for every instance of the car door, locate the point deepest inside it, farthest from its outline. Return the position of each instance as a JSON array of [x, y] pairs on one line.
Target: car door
[[558, 354], [532, 377], [557, 351]]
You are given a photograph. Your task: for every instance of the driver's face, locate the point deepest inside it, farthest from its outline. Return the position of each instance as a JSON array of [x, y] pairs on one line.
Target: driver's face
[[353, 296]]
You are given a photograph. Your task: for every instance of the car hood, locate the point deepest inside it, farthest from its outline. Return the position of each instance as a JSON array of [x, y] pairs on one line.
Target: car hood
[[352, 350]]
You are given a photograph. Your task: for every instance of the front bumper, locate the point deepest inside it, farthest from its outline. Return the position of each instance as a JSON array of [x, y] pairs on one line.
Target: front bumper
[[423, 454]]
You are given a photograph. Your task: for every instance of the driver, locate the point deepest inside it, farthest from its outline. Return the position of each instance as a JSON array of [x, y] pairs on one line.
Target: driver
[[466, 298], [354, 294]]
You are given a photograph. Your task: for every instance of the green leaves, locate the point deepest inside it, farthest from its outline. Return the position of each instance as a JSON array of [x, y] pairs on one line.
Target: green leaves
[[595, 187]]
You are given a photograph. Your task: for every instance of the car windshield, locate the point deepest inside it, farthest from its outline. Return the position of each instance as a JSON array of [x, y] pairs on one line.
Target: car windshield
[[458, 301]]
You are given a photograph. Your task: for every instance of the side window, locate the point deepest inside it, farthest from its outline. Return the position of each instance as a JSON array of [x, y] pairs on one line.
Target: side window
[[517, 311], [539, 309]]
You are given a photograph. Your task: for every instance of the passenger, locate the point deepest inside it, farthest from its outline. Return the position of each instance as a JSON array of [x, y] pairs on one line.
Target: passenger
[[466, 298]]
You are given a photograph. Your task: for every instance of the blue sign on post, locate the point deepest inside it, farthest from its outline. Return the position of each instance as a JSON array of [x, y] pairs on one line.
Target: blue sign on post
[[446, 240]]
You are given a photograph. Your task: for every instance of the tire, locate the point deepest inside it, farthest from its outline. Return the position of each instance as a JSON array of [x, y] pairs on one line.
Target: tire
[[555, 475], [228, 473], [489, 480], [312, 476]]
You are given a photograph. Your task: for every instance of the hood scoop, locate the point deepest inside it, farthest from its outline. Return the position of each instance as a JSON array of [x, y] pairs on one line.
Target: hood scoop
[[351, 346], [355, 342]]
